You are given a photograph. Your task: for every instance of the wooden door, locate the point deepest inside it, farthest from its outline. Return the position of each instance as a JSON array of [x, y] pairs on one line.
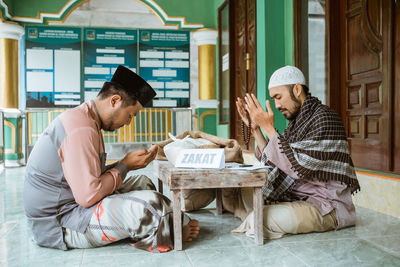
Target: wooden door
[[396, 86], [243, 79], [367, 81]]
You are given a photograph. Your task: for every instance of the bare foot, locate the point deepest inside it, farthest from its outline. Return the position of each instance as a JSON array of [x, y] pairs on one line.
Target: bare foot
[[190, 231]]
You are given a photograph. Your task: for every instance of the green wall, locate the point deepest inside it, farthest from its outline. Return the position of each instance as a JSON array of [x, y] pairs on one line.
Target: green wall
[[194, 11], [275, 45], [206, 120], [32, 8]]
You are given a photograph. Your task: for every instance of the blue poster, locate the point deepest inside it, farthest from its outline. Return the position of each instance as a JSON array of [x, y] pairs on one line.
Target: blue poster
[[104, 50], [52, 66], [164, 63]]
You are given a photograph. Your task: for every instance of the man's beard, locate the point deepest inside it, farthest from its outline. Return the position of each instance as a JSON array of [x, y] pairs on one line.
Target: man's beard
[[297, 107], [107, 127], [293, 115]]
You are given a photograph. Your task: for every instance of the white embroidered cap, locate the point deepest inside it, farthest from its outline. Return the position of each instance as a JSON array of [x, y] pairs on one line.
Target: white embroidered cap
[[285, 76]]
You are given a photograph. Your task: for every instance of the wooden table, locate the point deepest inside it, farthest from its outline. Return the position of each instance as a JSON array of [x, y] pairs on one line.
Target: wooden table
[[181, 178]]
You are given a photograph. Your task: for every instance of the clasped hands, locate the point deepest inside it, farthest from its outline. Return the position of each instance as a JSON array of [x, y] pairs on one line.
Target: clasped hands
[[256, 114]]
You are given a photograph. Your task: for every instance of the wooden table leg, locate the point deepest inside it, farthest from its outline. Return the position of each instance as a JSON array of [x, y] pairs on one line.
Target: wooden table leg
[[218, 198], [258, 215], [160, 186], [176, 202]]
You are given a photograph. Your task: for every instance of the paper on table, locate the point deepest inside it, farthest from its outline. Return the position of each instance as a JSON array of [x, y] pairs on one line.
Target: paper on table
[[238, 166]]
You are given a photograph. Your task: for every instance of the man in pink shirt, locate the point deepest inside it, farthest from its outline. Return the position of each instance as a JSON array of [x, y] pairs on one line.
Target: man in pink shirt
[[311, 172], [73, 200]]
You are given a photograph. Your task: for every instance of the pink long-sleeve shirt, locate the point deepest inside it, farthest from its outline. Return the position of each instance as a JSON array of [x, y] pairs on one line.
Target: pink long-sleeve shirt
[[81, 154], [66, 176]]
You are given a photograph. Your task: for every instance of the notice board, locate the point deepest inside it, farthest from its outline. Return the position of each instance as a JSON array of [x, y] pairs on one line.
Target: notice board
[[164, 64], [66, 66], [104, 50], [53, 66]]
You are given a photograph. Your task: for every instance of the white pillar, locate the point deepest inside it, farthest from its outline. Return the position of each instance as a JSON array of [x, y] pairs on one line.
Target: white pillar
[[10, 34], [206, 40], [11, 30]]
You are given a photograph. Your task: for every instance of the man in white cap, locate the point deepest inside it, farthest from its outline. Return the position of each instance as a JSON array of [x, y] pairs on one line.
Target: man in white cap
[[311, 173], [73, 200]]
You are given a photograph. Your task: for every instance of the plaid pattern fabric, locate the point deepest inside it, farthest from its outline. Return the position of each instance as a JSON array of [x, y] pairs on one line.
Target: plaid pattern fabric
[[279, 184], [316, 145]]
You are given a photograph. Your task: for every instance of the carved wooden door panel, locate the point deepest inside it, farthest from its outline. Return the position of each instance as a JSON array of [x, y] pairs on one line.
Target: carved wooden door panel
[[367, 81], [244, 63]]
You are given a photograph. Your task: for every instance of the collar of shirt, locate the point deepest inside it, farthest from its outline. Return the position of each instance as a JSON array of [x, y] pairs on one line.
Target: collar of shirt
[[97, 112]]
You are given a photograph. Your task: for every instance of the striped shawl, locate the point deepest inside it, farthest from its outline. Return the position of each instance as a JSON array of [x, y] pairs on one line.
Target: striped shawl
[[315, 144]]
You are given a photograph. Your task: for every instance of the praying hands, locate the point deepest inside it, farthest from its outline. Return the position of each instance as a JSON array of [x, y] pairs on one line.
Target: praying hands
[[260, 117], [244, 115]]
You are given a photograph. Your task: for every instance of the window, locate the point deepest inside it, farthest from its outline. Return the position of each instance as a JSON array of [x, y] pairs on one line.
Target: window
[[311, 44]]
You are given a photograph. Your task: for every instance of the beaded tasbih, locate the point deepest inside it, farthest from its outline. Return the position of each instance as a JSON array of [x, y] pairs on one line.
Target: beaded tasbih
[[246, 137]]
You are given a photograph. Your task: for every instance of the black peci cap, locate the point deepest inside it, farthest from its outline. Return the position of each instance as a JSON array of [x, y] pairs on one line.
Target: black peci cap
[[134, 84]]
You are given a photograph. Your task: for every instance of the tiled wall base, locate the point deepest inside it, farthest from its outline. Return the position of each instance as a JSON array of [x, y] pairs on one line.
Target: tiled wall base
[[379, 194]]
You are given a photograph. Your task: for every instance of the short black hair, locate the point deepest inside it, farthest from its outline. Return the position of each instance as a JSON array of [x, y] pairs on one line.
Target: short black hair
[[305, 88], [112, 88]]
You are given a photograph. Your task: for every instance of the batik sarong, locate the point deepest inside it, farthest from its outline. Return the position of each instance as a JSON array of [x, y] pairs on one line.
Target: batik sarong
[[136, 212]]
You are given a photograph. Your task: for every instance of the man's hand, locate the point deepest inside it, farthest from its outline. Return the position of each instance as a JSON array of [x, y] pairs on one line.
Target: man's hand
[[140, 159], [240, 106], [265, 119]]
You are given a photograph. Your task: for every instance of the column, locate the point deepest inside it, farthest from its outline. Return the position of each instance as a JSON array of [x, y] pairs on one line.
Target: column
[[10, 34], [206, 104]]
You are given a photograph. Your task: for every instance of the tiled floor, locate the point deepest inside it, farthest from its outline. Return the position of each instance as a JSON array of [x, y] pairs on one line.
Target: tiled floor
[[375, 241]]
